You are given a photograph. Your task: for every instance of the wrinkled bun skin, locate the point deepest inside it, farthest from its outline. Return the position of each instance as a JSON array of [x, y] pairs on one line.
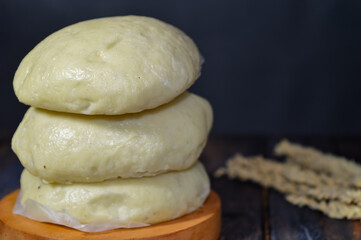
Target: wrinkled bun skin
[[66, 148], [146, 200], [108, 66]]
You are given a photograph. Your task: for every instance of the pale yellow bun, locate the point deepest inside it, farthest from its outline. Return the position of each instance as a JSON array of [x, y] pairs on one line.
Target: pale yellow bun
[[140, 200], [108, 66], [66, 148]]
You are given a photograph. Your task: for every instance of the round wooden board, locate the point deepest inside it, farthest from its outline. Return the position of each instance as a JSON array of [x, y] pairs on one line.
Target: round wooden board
[[204, 223]]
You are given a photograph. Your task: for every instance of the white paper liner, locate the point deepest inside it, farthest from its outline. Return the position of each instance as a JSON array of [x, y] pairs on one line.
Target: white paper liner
[[42, 213]]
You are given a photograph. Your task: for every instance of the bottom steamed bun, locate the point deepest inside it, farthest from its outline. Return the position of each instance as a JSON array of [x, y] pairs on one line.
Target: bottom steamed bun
[[146, 200]]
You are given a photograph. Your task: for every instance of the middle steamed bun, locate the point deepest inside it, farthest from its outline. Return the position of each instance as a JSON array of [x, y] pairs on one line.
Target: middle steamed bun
[[66, 148]]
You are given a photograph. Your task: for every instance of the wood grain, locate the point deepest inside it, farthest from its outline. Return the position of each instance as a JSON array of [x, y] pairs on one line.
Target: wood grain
[[241, 202], [203, 224]]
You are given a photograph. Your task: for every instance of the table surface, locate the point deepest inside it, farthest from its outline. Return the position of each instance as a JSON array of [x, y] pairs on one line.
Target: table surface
[[248, 210]]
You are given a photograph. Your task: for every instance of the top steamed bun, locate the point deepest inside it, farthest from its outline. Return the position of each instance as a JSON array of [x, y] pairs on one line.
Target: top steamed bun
[[108, 66]]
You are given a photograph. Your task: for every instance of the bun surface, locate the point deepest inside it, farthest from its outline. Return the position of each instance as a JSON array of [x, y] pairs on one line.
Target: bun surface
[[65, 148], [108, 66], [141, 200]]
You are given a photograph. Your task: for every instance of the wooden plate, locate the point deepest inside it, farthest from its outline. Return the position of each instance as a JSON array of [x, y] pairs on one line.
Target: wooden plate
[[204, 224]]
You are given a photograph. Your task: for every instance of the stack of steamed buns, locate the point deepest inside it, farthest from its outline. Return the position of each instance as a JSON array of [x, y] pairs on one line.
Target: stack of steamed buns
[[111, 135]]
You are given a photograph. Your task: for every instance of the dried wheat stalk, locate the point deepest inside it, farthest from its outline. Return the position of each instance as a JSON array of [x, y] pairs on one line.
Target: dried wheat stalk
[[336, 197], [314, 159]]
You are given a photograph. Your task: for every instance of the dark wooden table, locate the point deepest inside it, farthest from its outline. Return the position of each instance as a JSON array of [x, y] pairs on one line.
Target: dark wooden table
[[249, 211]]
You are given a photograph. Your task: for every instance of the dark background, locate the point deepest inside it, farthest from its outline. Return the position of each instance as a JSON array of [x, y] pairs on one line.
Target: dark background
[[270, 67]]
